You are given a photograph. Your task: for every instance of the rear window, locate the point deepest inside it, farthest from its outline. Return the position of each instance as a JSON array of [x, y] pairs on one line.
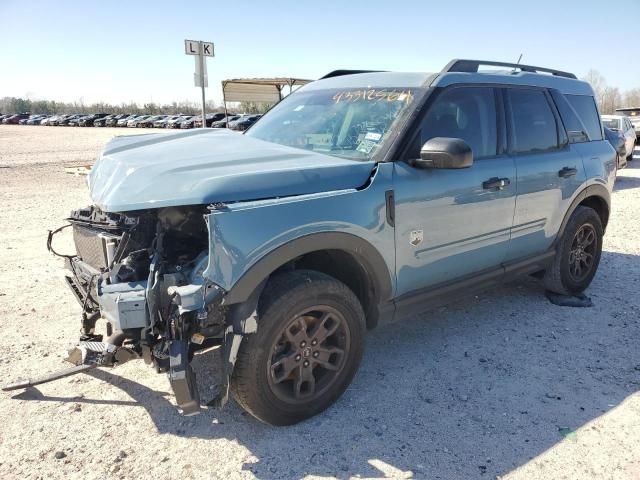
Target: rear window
[[585, 107]]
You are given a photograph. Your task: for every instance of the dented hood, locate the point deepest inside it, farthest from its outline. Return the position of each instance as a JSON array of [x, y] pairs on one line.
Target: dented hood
[[211, 165]]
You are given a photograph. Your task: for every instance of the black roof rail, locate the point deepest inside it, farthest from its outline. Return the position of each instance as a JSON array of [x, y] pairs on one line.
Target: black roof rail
[[472, 66], [339, 73]]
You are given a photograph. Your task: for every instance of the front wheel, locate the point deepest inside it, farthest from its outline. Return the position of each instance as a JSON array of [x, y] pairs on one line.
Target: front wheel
[[577, 255], [306, 351]]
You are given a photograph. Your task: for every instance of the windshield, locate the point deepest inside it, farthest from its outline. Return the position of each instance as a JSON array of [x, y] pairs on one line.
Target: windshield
[[612, 123], [351, 123]]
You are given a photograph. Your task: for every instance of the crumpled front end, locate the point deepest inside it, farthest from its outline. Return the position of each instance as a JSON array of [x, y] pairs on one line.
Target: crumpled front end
[[142, 274]]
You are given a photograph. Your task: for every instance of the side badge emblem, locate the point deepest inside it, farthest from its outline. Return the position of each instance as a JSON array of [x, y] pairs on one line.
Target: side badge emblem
[[415, 237]]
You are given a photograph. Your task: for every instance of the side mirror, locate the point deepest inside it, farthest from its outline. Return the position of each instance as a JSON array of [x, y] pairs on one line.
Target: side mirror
[[443, 152]]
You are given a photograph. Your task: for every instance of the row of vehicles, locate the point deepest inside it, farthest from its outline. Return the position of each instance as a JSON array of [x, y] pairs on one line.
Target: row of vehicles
[[234, 121]]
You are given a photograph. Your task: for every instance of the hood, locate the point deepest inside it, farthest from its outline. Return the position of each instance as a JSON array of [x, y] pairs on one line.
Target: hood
[[206, 166]]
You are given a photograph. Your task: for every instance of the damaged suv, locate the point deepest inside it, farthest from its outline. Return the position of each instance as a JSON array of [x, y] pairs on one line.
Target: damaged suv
[[359, 199]]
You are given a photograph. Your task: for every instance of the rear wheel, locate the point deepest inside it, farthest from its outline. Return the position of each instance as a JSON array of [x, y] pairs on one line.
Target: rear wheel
[[630, 156], [306, 351], [578, 254]]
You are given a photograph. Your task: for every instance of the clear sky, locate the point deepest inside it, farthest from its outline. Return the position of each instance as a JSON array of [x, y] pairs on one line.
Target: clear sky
[[119, 51]]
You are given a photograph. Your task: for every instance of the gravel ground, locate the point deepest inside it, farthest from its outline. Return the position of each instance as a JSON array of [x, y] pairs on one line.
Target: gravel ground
[[503, 384]]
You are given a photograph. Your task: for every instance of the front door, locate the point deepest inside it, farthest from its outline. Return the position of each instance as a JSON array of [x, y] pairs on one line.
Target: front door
[[454, 223]]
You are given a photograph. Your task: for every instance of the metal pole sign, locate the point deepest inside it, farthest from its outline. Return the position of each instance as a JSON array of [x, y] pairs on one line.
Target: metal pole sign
[[200, 50]]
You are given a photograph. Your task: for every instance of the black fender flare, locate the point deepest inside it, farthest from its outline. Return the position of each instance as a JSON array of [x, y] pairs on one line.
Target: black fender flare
[[369, 257], [596, 190]]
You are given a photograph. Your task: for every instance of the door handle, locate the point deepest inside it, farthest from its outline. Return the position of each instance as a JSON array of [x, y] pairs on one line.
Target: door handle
[[496, 183], [567, 172]]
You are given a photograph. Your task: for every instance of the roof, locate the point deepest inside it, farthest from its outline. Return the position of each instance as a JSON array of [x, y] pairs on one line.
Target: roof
[[258, 89], [459, 71], [373, 79]]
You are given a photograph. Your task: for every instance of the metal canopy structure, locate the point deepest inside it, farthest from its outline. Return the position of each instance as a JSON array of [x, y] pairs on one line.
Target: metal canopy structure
[[268, 90]]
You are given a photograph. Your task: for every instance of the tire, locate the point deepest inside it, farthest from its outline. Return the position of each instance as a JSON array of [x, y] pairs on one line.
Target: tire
[[562, 277], [266, 382], [630, 156]]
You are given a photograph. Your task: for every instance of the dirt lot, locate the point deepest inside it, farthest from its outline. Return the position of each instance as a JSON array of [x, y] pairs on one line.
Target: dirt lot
[[502, 384]]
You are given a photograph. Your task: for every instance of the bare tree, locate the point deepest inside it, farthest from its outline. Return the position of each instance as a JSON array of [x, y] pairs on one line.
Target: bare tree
[[597, 81], [610, 100], [632, 98]]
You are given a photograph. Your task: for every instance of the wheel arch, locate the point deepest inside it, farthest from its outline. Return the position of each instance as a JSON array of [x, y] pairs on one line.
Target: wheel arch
[[596, 197], [344, 256]]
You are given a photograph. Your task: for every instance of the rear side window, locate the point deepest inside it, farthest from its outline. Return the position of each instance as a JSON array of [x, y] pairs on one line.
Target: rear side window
[[534, 125], [585, 107], [468, 113], [576, 131]]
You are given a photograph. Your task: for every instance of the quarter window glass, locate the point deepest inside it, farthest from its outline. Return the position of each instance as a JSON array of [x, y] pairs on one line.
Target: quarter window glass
[[534, 125], [468, 113], [585, 107], [575, 130]]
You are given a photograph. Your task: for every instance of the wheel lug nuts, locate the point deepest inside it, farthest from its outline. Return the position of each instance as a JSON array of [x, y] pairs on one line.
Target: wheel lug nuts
[[306, 363], [298, 357], [303, 344], [315, 354], [314, 342]]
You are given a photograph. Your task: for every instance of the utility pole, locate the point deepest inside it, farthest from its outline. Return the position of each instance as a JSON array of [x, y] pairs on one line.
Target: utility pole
[[200, 50], [202, 79]]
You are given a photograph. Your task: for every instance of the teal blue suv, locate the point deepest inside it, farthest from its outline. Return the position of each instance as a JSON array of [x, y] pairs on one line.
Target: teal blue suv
[[361, 198]]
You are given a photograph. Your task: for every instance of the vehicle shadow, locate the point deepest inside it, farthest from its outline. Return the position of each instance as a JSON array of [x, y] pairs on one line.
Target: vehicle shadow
[[626, 183], [470, 390]]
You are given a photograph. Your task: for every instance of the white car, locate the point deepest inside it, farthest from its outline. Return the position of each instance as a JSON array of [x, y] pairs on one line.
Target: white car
[[622, 124]]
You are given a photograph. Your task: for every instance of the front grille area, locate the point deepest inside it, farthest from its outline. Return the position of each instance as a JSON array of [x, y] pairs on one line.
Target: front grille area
[[94, 246]]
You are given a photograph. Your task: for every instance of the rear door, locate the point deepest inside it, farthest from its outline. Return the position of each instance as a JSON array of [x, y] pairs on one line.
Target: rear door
[[549, 169]]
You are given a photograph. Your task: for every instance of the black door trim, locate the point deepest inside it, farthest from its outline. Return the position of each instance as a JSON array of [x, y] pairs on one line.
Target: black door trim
[[414, 302]]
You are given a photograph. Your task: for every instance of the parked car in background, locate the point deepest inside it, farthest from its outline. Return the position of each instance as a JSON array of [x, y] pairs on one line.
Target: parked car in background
[[89, 120], [37, 120], [223, 123], [244, 123], [124, 121], [175, 123], [15, 119], [148, 123], [634, 116], [189, 123], [64, 121], [162, 123], [74, 122], [29, 118], [119, 120], [102, 122], [617, 141], [210, 118], [50, 120], [623, 125], [133, 123]]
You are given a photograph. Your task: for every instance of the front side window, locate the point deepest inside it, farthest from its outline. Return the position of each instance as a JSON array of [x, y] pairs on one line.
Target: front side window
[[534, 125], [468, 113], [352, 123], [585, 107]]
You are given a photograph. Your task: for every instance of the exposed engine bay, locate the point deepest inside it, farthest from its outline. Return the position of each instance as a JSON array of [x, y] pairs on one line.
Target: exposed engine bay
[[141, 272]]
